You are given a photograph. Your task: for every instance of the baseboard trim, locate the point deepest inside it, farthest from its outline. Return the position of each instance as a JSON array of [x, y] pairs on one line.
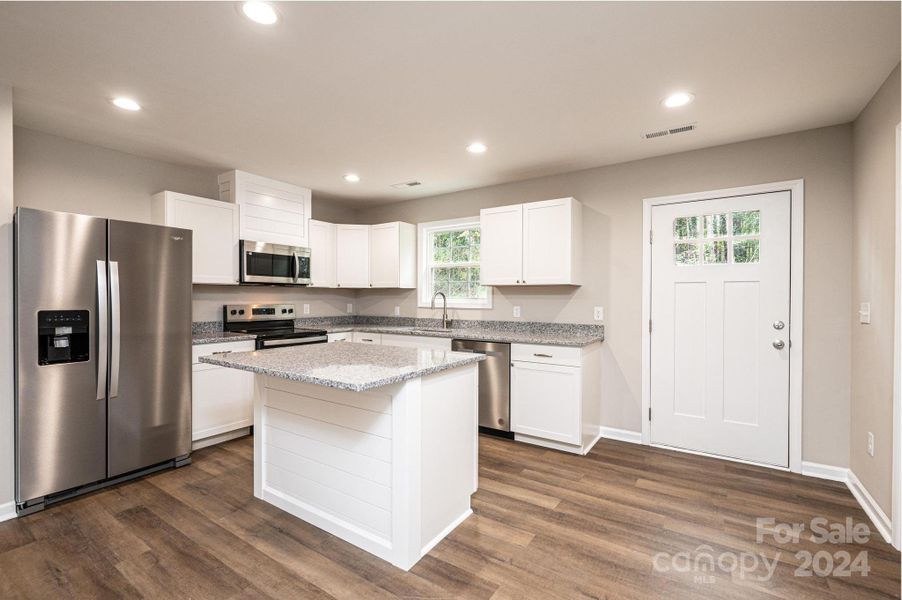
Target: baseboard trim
[[7, 511], [871, 508], [623, 435], [822, 471]]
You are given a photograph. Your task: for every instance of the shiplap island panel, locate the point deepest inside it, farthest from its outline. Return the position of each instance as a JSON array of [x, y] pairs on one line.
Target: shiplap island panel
[[376, 445]]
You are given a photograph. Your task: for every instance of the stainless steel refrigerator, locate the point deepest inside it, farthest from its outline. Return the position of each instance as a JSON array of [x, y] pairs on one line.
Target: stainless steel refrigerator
[[103, 352]]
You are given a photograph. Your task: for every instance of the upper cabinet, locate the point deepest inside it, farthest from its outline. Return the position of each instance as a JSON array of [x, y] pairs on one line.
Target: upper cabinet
[[215, 233], [270, 211], [393, 261], [538, 243], [352, 256], [322, 254], [375, 256]]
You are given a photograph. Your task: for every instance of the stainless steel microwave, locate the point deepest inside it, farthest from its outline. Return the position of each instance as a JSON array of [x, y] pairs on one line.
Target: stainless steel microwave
[[273, 263]]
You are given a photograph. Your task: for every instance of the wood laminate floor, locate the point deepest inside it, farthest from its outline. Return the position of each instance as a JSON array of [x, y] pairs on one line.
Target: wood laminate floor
[[546, 525]]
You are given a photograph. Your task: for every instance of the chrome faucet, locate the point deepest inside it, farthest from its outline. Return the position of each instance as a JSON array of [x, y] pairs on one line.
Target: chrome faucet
[[445, 321]]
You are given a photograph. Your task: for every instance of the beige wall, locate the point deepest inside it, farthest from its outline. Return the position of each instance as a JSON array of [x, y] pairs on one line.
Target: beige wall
[[874, 218], [7, 465], [54, 173], [612, 198]]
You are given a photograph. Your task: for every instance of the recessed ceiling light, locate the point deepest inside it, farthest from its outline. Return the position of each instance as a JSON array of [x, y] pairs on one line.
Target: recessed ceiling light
[[476, 148], [352, 177], [126, 103], [678, 99], [260, 12]]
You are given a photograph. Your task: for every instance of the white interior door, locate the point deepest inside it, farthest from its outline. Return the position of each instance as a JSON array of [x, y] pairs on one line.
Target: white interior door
[[720, 309]]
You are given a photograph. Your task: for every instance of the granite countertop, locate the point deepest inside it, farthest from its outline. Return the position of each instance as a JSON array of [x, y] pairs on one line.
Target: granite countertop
[[219, 337], [488, 334], [354, 367]]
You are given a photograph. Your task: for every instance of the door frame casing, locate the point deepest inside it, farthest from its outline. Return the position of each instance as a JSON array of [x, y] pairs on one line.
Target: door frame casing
[[896, 509], [796, 189]]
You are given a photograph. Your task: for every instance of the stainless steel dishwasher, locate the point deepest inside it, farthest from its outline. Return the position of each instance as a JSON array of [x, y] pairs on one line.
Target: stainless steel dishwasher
[[494, 385]]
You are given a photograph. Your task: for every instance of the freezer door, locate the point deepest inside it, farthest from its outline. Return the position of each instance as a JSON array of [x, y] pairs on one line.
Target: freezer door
[[61, 404], [150, 345]]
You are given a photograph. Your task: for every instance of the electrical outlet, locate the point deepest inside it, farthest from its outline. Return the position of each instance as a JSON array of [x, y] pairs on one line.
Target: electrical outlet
[[864, 313], [350, 308], [598, 315], [871, 443], [516, 312], [397, 311], [306, 309]]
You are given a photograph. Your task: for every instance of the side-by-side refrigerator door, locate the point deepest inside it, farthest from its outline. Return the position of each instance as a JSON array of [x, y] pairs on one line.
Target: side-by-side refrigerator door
[[61, 345], [150, 345]]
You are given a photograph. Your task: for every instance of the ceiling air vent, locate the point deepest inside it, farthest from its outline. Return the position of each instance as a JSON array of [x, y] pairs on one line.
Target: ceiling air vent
[[406, 184], [672, 131]]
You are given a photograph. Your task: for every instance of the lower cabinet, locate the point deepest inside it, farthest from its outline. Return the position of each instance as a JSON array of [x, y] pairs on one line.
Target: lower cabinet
[[416, 341], [222, 399], [556, 396], [345, 336]]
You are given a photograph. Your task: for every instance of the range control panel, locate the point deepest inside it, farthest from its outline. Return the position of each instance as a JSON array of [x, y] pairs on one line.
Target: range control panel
[[236, 313]]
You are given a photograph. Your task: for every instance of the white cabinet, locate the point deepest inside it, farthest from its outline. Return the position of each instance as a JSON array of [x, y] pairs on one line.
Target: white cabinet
[[501, 245], [538, 243], [376, 256], [393, 248], [556, 396], [270, 211], [352, 256], [214, 227], [367, 338], [322, 254], [416, 341], [345, 336], [222, 399]]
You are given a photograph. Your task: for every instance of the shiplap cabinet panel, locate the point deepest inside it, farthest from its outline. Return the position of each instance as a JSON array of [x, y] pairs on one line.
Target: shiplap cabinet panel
[[270, 211]]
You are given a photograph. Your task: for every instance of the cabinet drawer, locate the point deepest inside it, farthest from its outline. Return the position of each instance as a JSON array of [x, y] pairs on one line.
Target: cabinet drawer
[[207, 349], [346, 336], [552, 355], [367, 338]]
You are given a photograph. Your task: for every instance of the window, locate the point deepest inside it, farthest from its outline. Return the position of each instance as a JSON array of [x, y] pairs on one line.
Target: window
[[449, 263], [717, 239]]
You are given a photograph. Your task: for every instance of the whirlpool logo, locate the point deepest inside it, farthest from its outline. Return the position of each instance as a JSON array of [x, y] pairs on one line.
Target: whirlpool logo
[[177, 238]]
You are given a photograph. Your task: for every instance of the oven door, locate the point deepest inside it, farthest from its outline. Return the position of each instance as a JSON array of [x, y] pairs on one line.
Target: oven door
[[262, 344], [274, 263]]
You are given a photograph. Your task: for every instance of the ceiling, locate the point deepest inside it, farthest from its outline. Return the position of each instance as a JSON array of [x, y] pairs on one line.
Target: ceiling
[[396, 91]]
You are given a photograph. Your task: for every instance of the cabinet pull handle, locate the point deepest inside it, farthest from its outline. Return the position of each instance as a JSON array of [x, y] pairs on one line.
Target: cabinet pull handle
[[366, 339], [223, 352], [540, 355]]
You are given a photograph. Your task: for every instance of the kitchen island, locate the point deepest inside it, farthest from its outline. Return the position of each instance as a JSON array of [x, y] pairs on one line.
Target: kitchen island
[[376, 445]]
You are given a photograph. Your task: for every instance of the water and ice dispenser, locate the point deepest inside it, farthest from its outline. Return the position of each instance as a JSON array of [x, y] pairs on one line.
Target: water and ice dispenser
[[62, 336]]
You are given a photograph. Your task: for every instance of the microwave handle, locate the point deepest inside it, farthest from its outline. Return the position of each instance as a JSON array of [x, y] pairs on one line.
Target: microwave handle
[[296, 268]]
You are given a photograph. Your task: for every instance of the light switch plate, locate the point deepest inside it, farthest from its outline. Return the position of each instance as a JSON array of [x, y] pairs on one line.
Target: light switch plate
[[350, 308], [397, 311], [864, 313], [516, 312], [306, 309], [598, 314]]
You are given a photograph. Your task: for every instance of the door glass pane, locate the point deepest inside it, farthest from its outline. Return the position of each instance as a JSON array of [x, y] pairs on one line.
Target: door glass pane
[[685, 254], [282, 265], [715, 225], [715, 252], [685, 228], [745, 251], [747, 223]]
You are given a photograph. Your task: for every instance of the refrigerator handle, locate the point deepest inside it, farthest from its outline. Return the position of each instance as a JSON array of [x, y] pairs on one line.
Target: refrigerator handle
[[115, 338], [101, 329]]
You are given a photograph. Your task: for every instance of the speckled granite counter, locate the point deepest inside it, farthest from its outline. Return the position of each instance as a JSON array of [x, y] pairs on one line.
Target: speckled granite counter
[[353, 367], [218, 337], [488, 334]]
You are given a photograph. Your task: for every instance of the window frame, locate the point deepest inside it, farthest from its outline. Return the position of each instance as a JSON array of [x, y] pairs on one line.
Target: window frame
[[424, 272]]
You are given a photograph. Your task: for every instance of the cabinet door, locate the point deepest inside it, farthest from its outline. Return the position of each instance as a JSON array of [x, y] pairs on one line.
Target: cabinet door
[[385, 259], [545, 401], [215, 234], [352, 255], [367, 338], [222, 401], [548, 239], [501, 250], [322, 254]]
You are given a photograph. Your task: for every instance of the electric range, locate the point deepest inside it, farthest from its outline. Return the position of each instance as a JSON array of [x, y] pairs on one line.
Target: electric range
[[273, 324]]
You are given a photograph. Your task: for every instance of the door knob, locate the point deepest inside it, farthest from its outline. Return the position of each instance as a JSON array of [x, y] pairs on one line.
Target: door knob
[[779, 344], [778, 325]]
